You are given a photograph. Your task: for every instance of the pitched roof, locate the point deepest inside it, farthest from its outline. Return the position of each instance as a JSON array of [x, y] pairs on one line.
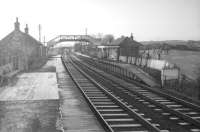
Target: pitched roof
[[125, 40], [118, 41], [20, 37]]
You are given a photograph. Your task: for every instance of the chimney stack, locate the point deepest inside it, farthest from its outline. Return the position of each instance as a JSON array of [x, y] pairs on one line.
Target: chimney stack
[[132, 36], [17, 24], [26, 29]]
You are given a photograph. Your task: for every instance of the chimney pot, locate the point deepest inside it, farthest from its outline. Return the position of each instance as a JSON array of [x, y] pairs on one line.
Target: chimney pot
[[17, 24], [26, 29], [132, 36]]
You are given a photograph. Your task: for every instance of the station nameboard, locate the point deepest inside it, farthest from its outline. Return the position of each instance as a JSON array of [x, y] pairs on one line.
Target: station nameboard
[[169, 74]]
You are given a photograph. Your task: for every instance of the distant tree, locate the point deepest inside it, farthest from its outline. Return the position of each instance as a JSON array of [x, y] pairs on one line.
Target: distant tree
[[165, 48], [107, 39], [100, 35]]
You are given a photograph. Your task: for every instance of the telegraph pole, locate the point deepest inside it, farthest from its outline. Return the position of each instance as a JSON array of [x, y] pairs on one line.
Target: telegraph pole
[[86, 31], [44, 40], [39, 32]]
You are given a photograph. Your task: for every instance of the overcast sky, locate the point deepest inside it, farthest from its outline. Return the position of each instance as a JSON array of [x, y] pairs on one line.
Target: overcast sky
[[146, 19]]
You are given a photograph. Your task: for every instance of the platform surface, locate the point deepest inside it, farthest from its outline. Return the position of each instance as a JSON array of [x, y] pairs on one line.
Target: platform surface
[[32, 86], [135, 70], [139, 73], [76, 114]]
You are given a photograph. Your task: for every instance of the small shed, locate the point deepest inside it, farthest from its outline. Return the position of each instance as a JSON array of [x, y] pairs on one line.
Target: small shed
[[121, 47], [128, 47]]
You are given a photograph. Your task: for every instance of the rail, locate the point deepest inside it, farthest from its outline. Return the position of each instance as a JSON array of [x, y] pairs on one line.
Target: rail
[[79, 76], [187, 111]]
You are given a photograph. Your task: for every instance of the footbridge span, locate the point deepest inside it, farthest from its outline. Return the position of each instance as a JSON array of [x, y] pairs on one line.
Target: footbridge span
[[67, 38]]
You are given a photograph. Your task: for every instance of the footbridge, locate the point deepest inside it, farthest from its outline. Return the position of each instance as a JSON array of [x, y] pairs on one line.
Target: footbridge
[[67, 38]]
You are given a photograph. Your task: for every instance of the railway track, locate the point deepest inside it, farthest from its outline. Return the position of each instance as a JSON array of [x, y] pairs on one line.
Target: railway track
[[113, 114], [168, 112]]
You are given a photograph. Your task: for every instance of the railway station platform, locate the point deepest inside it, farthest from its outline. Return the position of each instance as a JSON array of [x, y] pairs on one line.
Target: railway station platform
[[140, 73], [46, 100], [145, 77], [30, 102], [32, 86]]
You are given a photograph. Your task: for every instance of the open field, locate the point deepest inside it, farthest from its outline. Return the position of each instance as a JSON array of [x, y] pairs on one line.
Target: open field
[[188, 61], [174, 44]]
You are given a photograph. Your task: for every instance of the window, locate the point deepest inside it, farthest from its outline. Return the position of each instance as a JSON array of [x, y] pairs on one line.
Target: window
[[15, 62]]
